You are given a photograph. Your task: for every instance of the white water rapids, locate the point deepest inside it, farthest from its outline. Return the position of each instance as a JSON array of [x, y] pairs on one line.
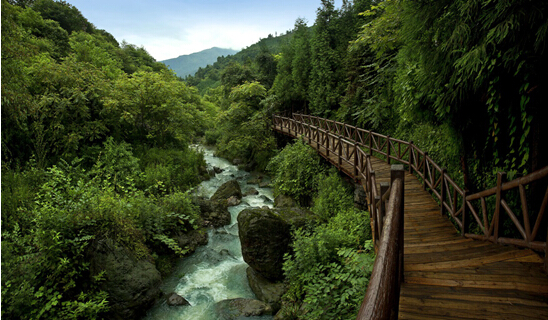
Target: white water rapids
[[216, 271]]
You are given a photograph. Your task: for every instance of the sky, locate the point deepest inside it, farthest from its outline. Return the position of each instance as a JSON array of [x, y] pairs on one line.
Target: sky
[[170, 28]]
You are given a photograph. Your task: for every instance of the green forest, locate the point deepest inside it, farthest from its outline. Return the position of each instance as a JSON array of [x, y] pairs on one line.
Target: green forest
[[96, 135]]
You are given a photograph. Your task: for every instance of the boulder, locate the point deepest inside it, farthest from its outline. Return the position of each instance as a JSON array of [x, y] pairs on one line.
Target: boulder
[[265, 235], [251, 192], [297, 217], [237, 308], [233, 201], [213, 213], [227, 190], [132, 283], [237, 161], [254, 181], [174, 300], [265, 290], [217, 170], [264, 184], [192, 239], [265, 198], [264, 238], [283, 201]]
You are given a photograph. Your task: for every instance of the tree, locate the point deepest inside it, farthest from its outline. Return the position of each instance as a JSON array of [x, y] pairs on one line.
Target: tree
[[235, 75], [68, 16], [155, 109], [266, 65], [482, 66], [300, 65], [67, 112]]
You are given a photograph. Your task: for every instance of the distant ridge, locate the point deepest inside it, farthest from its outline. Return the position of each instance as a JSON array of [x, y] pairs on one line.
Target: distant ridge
[[188, 64]]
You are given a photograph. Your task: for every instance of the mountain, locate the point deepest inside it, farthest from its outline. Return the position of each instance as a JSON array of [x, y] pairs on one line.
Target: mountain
[[188, 64], [210, 76]]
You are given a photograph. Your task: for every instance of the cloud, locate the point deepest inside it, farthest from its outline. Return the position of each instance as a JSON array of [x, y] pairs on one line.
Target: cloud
[[169, 28]]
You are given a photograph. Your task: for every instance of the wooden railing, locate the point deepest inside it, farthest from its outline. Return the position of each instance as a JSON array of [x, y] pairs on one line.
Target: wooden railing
[[355, 146], [382, 298], [453, 199]]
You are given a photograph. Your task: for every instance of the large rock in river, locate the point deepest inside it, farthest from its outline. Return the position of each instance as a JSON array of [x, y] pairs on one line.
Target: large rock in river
[[283, 201], [133, 283], [265, 235], [213, 213], [227, 190], [267, 291], [233, 309]]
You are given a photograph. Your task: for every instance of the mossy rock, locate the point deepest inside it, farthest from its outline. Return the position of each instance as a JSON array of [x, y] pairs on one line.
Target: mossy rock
[[265, 236], [240, 308], [283, 201], [227, 190], [267, 291], [132, 283]]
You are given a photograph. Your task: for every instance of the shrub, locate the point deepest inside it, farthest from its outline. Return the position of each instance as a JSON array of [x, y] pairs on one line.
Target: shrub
[[295, 170], [45, 262], [117, 166], [330, 267], [332, 197], [168, 170]]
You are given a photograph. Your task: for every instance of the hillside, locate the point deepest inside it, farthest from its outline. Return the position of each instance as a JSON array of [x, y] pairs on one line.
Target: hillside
[[210, 76], [188, 64]]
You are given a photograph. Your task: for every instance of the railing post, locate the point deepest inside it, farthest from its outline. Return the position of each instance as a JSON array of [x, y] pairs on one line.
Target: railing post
[[388, 149], [370, 143], [384, 188], [464, 222], [397, 172], [355, 160], [378, 213], [411, 156], [318, 138], [340, 152], [372, 205], [442, 191], [424, 170], [497, 215], [546, 252], [327, 143]]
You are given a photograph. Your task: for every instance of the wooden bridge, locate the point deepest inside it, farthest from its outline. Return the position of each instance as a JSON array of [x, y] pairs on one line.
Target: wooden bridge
[[428, 265]]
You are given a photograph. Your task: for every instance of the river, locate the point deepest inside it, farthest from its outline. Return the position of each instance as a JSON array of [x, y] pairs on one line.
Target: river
[[216, 271]]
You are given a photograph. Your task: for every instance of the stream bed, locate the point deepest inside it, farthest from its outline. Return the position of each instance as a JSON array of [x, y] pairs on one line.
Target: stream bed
[[216, 271]]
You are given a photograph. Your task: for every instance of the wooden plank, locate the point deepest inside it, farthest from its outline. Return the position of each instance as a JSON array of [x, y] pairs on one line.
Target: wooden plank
[[485, 310], [465, 263], [477, 278]]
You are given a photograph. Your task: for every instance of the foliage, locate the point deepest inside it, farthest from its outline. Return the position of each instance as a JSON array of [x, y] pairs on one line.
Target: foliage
[[243, 130], [45, 259], [74, 169], [293, 75], [332, 197], [170, 170], [68, 16], [66, 107], [255, 63], [329, 270], [154, 108], [295, 171]]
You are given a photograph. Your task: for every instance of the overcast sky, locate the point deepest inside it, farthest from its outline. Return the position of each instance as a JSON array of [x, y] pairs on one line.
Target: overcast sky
[[170, 28]]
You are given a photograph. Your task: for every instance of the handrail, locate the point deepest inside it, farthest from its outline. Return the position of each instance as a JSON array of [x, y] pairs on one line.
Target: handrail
[[381, 300], [347, 143]]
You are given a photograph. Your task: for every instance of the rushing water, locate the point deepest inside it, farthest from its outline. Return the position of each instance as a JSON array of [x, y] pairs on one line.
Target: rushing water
[[216, 271]]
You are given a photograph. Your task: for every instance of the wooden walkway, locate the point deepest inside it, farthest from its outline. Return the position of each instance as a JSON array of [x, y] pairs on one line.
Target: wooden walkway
[[447, 276]]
